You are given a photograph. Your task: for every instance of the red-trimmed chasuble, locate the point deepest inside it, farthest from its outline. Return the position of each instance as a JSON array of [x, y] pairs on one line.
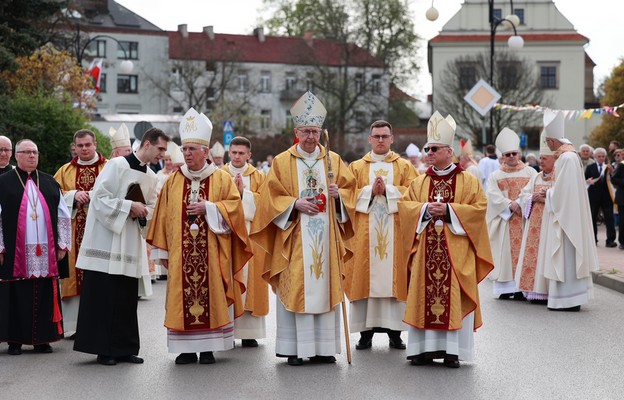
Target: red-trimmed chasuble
[[195, 263], [438, 268], [513, 186]]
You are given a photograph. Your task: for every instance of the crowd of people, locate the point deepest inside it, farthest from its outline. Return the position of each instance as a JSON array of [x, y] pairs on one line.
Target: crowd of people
[[406, 239]]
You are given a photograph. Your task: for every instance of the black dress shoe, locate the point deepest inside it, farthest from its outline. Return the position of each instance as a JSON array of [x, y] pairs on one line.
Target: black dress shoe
[[611, 244], [575, 308], [186, 358], [43, 348], [15, 349], [206, 357], [162, 278], [536, 301], [132, 359], [363, 344], [396, 343], [250, 343], [293, 360], [72, 337], [106, 360], [451, 362], [519, 296], [421, 359], [322, 359], [621, 247], [506, 296]]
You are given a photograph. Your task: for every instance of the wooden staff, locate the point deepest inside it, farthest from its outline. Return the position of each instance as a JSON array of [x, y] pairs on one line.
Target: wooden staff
[[332, 217]]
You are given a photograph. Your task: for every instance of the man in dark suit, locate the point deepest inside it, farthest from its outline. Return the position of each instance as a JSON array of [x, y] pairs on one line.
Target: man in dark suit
[[600, 192], [617, 179]]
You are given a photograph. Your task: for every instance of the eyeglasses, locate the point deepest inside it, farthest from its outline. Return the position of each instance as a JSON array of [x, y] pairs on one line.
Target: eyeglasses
[[380, 137], [512, 154], [309, 132], [28, 152], [433, 148], [191, 149], [4, 150]]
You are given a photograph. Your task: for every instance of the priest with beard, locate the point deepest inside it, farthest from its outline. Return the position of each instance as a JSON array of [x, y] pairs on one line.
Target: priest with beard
[[442, 216], [35, 235]]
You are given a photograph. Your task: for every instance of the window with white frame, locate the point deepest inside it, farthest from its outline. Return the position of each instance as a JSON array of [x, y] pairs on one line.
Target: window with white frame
[[291, 80], [265, 119], [376, 84], [359, 83], [96, 49], [265, 82], [243, 81]]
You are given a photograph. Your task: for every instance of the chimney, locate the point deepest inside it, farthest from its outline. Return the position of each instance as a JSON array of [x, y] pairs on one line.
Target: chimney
[[259, 33], [209, 31], [308, 37], [183, 29]]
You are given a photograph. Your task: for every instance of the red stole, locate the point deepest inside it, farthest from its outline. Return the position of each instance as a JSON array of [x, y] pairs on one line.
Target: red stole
[[195, 287], [438, 266], [85, 179]]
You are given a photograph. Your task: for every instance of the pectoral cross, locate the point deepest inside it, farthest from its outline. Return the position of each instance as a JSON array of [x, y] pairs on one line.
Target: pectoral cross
[[438, 197]]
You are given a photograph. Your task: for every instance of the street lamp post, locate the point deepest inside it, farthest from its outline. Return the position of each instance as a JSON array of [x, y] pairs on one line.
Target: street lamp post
[[125, 67], [515, 42]]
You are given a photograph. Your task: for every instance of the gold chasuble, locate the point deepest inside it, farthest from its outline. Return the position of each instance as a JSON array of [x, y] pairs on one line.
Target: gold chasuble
[[445, 265], [204, 268], [73, 177], [377, 268], [256, 297], [305, 253]]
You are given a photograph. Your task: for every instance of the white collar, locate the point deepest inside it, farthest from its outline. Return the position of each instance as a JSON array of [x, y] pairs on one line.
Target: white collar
[[89, 162], [445, 171], [205, 172], [233, 170], [378, 157], [305, 154]]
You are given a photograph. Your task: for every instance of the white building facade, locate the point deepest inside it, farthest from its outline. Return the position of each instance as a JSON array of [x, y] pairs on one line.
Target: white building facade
[[550, 42]]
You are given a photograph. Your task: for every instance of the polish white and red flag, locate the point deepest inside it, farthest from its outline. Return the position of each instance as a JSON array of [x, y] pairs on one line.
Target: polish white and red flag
[[95, 70]]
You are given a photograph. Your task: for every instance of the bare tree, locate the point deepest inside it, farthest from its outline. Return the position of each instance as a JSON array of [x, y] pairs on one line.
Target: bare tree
[[515, 79], [213, 85]]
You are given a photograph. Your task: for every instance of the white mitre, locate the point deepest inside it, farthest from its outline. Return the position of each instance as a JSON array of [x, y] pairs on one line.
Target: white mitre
[[507, 141], [217, 150], [308, 111], [119, 137], [441, 130], [554, 125], [412, 150], [174, 153], [195, 128], [544, 149]]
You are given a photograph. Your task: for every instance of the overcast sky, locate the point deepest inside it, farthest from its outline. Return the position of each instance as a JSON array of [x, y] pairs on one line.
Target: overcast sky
[[597, 19]]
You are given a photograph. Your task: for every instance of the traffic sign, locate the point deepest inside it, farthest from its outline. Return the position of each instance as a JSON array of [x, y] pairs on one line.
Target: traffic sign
[[482, 97], [228, 133]]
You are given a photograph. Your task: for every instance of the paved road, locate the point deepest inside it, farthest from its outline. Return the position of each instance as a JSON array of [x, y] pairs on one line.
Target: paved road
[[523, 351]]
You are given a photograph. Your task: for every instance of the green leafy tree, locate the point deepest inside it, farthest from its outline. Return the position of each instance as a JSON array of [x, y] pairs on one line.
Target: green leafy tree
[[611, 127], [47, 122], [24, 26]]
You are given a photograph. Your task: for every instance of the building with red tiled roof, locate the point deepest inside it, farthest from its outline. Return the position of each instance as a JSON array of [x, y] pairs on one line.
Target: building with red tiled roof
[[551, 43], [264, 75]]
